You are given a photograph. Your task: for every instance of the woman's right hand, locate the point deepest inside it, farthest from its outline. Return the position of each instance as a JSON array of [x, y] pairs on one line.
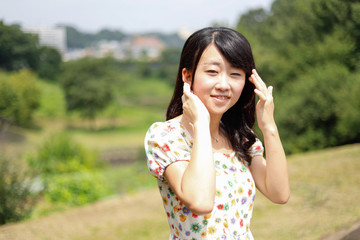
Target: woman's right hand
[[193, 108]]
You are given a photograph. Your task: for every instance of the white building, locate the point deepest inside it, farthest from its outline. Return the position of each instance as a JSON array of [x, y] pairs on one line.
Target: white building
[[52, 37]]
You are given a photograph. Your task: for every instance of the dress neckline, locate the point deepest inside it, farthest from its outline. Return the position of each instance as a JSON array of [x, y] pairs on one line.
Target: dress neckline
[[230, 154]]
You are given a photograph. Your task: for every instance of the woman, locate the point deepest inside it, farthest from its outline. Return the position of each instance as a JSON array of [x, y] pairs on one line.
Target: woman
[[206, 156]]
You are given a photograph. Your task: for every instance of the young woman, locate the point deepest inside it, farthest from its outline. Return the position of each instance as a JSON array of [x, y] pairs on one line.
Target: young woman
[[206, 157]]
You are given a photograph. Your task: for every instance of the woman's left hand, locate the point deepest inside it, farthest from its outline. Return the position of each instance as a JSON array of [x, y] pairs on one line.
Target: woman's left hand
[[265, 105]]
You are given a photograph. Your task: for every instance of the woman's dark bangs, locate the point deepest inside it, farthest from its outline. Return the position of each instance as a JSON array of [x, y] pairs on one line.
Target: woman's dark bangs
[[227, 49]]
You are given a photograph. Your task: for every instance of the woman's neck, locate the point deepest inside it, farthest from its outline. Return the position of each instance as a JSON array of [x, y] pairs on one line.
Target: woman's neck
[[215, 126]]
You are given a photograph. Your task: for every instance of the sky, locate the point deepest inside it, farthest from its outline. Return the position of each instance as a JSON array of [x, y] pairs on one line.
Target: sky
[[129, 16]]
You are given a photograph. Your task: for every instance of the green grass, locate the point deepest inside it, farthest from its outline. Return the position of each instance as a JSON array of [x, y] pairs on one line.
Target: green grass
[[324, 196]]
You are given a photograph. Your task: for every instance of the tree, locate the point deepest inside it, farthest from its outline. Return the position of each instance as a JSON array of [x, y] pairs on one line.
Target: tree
[[17, 49], [309, 51], [49, 63], [88, 85]]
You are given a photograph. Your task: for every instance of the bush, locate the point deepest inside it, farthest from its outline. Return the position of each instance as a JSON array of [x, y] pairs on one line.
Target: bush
[[60, 154], [76, 188], [16, 198], [19, 97]]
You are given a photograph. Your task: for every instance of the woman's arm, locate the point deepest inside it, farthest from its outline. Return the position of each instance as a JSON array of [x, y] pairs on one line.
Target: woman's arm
[[194, 182], [271, 176]]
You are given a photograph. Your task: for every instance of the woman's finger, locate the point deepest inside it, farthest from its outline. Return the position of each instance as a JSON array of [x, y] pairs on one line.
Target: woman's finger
[[257, 81], [187, 88]]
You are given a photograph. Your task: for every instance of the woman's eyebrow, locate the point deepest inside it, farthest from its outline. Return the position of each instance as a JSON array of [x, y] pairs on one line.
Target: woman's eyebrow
[[212, 63]]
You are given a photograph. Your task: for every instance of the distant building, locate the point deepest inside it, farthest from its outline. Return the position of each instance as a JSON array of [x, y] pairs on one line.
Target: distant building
[[52, 37], [147, 46], [139, 47]]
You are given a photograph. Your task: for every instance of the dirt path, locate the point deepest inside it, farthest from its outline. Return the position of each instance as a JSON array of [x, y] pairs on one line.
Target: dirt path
[[352, 233], [85, 222]]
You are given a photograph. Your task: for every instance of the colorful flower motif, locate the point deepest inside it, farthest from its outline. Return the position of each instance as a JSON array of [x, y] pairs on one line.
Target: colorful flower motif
[[224, 166], [207, 216], [218, 220], [205, 222], [187, 233], [237, 214], [226, 225], [233, 220], [233, 168], [220, 206], [249, 192], [241, 223], [240, 190], [211, 230], [218, 193], [203, 234], [185, 210], [165, 201], [195, 227], [180, 227], [171, 192], [165, 148], [176, 209], [250, 207], [226, 207], [243, 200], [182, 218]]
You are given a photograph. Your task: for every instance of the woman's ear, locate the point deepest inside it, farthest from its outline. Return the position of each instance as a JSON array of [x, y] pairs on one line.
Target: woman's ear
[[186, 76]]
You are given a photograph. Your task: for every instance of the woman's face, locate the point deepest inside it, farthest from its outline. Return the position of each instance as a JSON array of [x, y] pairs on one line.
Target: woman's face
[[217, 83]]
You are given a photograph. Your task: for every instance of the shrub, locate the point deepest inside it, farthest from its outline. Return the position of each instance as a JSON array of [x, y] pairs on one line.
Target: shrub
[[19, 97], [60, 154], [77, 188], [16, 198]]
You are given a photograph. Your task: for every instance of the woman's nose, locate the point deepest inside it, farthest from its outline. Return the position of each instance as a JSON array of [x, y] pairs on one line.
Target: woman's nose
[[223, 83]]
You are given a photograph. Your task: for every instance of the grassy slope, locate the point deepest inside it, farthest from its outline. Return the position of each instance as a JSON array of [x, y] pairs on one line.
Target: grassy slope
[[324, 199]]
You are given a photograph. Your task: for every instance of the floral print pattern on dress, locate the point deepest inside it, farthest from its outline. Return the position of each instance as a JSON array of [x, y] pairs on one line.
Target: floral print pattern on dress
[[169, 142]]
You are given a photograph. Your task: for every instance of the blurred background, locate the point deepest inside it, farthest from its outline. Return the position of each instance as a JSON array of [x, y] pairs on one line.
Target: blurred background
[[82, 81]]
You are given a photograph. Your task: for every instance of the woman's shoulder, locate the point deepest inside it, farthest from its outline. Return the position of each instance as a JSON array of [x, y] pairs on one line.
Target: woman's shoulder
[[169, 127]]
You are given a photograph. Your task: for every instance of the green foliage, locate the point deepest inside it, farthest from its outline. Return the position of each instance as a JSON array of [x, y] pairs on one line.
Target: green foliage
[[77, 188], [87, 85], [16, 198], [313, 66], [19, 97], [168, 65], [60, 154], [17, 49], [49, 63], [52, 102]]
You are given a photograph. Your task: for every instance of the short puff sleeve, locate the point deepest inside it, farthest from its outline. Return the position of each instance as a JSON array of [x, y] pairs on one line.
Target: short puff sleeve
[[165, 143], [256, 149]]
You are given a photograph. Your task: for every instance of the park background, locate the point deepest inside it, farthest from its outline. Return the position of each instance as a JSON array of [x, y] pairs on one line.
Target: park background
[[72, 164]]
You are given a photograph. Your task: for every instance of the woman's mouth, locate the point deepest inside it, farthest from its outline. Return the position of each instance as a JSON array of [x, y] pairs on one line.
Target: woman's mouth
[[220, 97]]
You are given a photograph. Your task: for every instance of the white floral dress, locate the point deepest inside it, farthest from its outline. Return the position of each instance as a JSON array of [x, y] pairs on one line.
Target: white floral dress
[[168, 142]]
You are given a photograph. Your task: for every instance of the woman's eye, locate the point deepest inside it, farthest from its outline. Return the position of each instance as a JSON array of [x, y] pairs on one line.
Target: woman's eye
[[236, 74], [211, 71]]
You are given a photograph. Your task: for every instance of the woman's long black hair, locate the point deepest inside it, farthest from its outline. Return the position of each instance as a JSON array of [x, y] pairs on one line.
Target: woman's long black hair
[[239, 120]]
